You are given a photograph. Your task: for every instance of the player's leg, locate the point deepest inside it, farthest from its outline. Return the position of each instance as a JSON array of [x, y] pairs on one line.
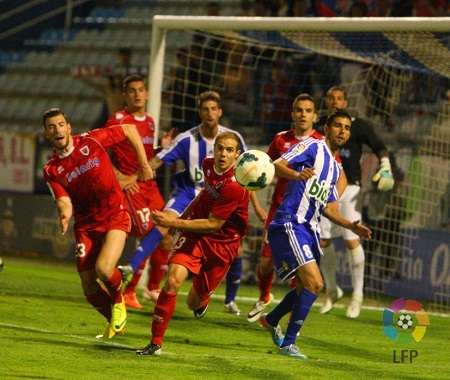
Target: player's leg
[[350, 206], [187, 258], [112, 248], [159, 259], [356, 257], [328, 268], [219, 258], [265, 274], [158, 268], [164, 308], [232, 281], [300, 259]]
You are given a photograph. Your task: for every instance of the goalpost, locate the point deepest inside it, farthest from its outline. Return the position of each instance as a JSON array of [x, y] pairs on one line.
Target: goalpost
[[397, 73]]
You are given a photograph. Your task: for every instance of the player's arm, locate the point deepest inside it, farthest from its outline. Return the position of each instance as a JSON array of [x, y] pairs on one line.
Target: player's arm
[[282, 169], [341, 183], [331, 211], [65, 211], [206, 226], [155, 163], [260, 212], [145, 172], [383, 177]]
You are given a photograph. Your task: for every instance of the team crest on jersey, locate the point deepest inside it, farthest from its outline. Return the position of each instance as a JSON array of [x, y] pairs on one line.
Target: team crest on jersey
[[84, 150], [151, 126], [300, 148], [171, 145]]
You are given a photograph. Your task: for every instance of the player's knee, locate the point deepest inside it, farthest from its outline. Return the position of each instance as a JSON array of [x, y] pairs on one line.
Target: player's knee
[[172, 284]]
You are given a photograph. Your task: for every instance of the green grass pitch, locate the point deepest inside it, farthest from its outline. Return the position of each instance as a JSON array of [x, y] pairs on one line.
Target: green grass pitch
[[47, 331]]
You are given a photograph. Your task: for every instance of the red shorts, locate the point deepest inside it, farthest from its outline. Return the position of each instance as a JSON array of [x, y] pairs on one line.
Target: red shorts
[[140, 205], [265, 248], [88, 243], [208, 259]]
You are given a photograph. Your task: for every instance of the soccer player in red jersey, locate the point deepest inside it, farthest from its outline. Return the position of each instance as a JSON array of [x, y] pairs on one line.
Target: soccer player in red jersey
[[142, 197], [304, 115], [212, 227], [82, 181]]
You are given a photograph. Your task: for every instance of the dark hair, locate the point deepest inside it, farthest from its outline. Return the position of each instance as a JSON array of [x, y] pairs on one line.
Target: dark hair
[[228, 135], [208, 95], [125, 51], [338, 112], [338, 88], [52, 112], [133, 78], [304, 96]]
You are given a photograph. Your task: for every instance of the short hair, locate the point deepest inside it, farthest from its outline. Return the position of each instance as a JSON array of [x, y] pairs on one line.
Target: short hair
[[228, 135], [338, 112], [52, 112], [338, 88], [208, 95], [304, 96], [133, 78]]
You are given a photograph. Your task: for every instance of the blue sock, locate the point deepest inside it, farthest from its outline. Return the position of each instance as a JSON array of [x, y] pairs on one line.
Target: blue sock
[[300, 311], [284, 307], [145, 248], [233, 280]]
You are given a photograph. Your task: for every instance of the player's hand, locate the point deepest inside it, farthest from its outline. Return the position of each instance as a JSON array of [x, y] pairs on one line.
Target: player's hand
[[361, 230], [305, 174], [161, 218], [145, 173], [384, 176], [129, 183], [64, 223], [167, 137]]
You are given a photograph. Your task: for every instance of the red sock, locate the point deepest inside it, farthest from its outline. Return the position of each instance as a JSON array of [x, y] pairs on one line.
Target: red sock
[[162, 315], [158, 267], [131, 287], [113, 285], [265, 285], [101, 302]]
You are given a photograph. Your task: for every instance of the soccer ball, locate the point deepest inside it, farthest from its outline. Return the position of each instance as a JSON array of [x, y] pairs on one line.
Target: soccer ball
[[405, 321], [254, 170]]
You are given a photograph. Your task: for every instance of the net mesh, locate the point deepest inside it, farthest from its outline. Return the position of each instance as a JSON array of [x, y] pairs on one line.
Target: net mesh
[[397, 81]]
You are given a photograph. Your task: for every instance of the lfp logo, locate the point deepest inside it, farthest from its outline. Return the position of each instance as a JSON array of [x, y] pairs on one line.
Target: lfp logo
[[405, 321]]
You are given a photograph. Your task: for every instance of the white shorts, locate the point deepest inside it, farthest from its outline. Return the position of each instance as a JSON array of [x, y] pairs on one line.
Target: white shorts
[[350, 205]]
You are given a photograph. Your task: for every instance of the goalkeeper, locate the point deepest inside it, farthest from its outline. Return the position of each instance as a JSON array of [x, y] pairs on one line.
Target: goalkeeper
[[350, 204]]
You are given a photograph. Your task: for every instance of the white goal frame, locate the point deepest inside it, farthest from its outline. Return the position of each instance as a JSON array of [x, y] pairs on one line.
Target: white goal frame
[[307, 24]]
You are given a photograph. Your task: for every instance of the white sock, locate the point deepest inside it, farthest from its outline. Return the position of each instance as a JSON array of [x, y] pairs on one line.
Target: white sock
[[357, 259], [328, 268]]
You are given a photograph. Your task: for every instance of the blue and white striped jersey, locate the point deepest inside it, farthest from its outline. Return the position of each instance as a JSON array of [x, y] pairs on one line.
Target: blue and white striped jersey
[[191, 148], [304, 201]]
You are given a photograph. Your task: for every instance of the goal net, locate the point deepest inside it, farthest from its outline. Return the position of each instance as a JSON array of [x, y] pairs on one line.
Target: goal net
[[397, 76]]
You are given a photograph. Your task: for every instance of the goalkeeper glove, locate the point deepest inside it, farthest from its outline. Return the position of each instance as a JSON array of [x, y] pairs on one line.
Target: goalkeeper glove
[[384, 176]]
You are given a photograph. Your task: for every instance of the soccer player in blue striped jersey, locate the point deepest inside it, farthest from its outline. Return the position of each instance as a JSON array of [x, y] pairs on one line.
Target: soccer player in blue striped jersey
[[294, 233], [191, 147]]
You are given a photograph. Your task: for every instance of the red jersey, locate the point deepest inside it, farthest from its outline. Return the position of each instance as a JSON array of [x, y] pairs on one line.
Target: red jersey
[[86, 175], [124, 157], [280, 145], [222, 196]]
